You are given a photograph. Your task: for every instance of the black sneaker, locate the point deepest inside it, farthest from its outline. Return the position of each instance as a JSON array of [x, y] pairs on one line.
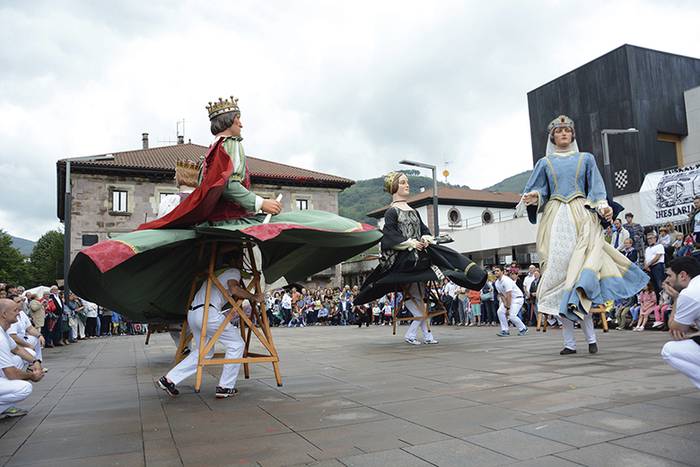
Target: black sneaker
[[167, 386], [13, 412], [593, 348], [223, 393], [567, 351]]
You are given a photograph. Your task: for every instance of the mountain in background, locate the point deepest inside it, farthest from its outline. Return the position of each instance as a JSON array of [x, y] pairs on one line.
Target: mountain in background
[[23, 245], [367, 195], [514, 184]]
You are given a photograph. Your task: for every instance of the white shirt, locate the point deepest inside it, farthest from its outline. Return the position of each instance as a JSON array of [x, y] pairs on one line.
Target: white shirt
[[90, 309], [621, 235], [286, 301], [216, 298], [7, 345], [688, 306], [505, 284], [451, 289], [652, 251], [20, 327]]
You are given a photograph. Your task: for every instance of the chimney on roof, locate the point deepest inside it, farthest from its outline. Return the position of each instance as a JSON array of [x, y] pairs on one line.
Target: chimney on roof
[[180, 139], [144, 140]]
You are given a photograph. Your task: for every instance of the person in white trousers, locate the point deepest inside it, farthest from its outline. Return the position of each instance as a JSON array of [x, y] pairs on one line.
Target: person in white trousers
[[567, 328], [415, 305], [230, 338], [15, 380], [27, 336], [511, 298], [683, 285]]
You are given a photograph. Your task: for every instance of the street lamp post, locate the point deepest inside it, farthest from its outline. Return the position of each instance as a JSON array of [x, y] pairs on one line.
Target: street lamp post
[[67, 207], [607, 170], [436, 224]]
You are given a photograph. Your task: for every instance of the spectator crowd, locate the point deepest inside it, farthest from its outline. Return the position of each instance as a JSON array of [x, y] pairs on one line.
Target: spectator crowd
[[31, 322]]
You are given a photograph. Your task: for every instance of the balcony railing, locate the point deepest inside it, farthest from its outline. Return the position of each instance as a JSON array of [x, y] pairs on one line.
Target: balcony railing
[[500, 215]]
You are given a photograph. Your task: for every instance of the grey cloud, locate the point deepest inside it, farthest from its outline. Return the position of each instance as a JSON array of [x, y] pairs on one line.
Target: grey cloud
[[401, 80]]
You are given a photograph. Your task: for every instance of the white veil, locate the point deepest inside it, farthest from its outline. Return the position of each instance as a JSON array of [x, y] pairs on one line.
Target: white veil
[[520, 209]]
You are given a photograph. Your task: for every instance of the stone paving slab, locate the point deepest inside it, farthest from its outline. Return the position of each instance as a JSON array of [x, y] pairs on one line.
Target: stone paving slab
[[362, 397]]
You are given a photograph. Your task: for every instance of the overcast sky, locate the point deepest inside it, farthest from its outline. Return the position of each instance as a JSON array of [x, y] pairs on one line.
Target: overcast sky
[[347, 88]]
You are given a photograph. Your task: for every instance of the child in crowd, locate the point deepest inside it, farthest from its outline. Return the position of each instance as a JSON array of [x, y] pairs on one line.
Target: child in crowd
[[322, 312], [116, 318], [622, 309], [647, 302], [474, 307], [386, 313], [662, 309]]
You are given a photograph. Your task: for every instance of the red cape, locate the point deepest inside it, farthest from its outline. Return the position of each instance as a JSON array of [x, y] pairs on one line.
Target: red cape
[[197, 207]]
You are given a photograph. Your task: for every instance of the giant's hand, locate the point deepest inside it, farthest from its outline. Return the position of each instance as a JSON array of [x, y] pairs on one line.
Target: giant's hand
[[531, 198], [607, 213], [271, 206]]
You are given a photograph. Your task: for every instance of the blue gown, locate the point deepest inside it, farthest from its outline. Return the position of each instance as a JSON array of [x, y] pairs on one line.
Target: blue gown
[[579, 268]]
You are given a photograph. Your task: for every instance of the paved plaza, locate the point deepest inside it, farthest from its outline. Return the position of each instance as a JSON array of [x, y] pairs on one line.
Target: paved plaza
[[364, 398]]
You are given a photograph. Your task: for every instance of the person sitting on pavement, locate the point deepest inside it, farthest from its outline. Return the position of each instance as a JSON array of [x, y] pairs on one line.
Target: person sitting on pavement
[[26, 335], [683, 285], [18, 365]]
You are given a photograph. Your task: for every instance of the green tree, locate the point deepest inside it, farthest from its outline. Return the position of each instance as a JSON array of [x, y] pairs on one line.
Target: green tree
[[47, 258], [13, 265]]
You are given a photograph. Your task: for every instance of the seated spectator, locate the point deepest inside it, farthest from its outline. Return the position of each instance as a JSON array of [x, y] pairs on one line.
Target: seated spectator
[[647, 302], [662, 309], [18, 365], [26, 336], [322, 313], [623, 309], [683, 285], [297, 319]]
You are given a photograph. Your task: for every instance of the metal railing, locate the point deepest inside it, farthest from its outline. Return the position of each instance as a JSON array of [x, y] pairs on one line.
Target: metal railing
[[500, 215]]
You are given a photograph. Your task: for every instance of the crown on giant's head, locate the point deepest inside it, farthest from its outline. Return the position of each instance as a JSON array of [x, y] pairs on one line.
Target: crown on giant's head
[[187, 173], [560, 121], [223, 106]]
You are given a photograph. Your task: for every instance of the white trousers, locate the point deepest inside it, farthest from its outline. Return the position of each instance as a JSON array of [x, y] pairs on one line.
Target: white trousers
[[230, 338], [34, 341], [415, 306], [684, 356], [13, 391], [568, 331], [515, 306]]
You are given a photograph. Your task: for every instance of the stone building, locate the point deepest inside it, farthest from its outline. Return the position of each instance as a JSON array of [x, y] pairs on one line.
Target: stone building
[[123, 190]]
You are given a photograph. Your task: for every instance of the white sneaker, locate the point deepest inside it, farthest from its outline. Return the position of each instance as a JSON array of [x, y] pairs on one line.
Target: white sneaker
[[412, 341], [430, 341], [657, 324]]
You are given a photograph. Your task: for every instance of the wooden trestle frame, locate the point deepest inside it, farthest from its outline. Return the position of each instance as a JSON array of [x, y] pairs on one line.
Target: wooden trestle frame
[[427, 315], [542, 319], [257, 324]]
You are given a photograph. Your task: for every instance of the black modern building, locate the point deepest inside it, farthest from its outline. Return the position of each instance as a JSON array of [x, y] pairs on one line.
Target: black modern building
[[628, 87]]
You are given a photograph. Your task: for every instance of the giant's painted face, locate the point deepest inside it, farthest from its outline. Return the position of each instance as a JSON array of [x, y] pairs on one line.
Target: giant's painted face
[[404, 188], [563, 136]]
